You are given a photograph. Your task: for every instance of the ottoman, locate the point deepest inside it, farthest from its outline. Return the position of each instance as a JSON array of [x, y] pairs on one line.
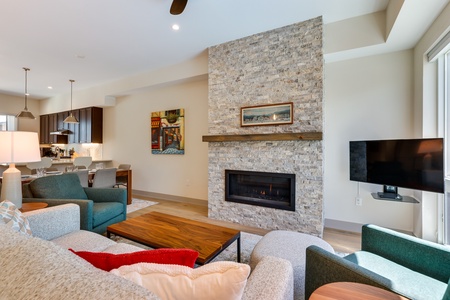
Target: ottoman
[[291, 246]]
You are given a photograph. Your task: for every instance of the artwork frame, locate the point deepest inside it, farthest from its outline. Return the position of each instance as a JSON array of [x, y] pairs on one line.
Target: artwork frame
[[269, 114], [167, 132]]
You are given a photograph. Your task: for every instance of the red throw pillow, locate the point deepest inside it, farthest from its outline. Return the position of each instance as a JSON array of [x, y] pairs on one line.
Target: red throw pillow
[[108, 261]]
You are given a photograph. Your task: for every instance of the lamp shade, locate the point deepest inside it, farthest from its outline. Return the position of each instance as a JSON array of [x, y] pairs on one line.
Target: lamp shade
[[19, 147]]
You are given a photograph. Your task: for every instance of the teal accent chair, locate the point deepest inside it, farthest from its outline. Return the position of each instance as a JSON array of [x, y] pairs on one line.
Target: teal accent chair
[[403, 264], [99, 207]]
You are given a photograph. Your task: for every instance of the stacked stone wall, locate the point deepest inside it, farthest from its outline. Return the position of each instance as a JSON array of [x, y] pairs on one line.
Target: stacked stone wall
[[278, 66]]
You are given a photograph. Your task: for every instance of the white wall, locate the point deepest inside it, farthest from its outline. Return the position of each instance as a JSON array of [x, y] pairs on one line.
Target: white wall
[[126, 136], [12, 105], [365, 98]]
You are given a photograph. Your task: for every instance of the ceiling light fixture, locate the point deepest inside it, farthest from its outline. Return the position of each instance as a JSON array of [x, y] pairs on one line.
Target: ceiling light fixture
[[71, 118], [175, 27], [25, 113]]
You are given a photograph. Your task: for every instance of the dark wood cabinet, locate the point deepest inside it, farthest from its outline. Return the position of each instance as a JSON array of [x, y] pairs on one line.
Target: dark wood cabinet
[[61, 116], [88, 130], [44, 133], [52, 126], [91, 125]]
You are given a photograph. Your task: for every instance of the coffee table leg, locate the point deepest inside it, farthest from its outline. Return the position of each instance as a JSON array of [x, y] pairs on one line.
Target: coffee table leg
[[238, 241]]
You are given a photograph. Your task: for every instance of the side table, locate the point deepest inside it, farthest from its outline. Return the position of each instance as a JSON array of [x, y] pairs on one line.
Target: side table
[[32, 206], [354, 291]]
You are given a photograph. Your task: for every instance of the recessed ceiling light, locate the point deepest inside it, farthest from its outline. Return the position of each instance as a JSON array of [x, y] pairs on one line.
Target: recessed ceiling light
[[50, 87], [175, 27]]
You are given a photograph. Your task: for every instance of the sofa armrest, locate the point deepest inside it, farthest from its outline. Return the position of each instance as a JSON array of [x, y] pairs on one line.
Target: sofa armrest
[[86, 208], [108, 195], [272, 278], [53, 222], [422, 256], [323, 267]]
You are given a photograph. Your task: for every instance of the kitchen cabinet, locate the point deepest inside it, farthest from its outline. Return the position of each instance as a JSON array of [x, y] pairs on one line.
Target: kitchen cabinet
[[48, 123], [91, 125], [52, 126], [88, 130], [44, 133], [74, 128]]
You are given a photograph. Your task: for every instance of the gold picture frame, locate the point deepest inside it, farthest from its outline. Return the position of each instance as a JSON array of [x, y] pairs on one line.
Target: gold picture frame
[[270, 114]]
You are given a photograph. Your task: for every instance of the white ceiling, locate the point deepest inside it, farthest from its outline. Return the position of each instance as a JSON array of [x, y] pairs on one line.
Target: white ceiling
[[99, 41]]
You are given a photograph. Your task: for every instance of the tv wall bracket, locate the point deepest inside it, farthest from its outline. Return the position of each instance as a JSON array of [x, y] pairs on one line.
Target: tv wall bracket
[[390, 193]]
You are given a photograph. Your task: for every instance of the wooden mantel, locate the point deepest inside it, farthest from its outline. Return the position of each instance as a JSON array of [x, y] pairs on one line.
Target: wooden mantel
[[291, 136]]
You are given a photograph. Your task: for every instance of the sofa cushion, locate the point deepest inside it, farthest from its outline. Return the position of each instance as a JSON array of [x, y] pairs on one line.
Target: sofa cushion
[[403, 280], [65, 186], [105, 211], [13, 218], [38, 269], [224, 280], [109, 261]]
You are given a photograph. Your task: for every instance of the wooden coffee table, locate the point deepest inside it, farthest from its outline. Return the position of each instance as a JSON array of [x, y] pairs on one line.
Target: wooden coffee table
[[158, 230]]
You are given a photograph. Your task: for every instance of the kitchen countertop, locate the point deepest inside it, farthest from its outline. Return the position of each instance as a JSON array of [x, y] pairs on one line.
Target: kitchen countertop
[[70, 161], [64, 161]]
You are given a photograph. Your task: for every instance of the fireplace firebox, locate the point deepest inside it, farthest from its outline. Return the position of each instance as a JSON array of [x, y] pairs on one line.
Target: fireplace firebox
[[274, 190]]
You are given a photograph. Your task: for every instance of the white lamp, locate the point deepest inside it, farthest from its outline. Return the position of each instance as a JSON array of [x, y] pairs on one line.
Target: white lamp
[[16, 147]]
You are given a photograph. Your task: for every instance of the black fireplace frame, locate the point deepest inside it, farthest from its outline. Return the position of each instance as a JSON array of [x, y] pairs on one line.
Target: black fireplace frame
[[284, 205]]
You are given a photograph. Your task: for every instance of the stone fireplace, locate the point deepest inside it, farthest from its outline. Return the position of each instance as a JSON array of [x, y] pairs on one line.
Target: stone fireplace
[[278, 66]]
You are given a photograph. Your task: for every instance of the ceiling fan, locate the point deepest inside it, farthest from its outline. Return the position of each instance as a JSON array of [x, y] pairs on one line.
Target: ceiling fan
[[178, 6]]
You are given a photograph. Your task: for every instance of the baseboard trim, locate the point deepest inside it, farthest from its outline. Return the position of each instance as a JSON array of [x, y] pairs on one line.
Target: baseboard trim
[[171, 198], [342, 225]]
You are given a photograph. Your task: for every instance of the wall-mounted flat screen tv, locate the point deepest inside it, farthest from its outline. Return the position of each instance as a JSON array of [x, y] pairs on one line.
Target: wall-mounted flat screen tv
[[408, 163]]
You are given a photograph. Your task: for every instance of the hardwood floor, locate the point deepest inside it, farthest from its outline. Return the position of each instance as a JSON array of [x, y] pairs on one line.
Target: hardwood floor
[[341, 241]]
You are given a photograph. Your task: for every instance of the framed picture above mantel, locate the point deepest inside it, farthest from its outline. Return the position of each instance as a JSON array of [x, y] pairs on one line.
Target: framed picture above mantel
[[270, 114]]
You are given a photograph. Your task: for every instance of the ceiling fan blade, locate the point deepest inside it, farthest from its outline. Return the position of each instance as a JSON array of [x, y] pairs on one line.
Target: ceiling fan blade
[[178, 6]]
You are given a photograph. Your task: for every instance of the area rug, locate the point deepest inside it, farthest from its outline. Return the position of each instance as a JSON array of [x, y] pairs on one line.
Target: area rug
[[137, 204], [248, 242]]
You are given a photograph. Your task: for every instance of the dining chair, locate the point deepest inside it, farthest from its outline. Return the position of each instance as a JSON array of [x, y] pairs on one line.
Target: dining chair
[[82, 161], [84, 177], [45, 163], [104, 178], [122, 180]]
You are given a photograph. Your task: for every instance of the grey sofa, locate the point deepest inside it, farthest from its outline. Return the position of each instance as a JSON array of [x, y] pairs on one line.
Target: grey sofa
[[99, 207], [406, 265], [42, 266]]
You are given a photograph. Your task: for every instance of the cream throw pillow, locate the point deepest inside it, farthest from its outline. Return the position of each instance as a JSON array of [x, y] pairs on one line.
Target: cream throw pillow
[[223, 280], [13, 218]]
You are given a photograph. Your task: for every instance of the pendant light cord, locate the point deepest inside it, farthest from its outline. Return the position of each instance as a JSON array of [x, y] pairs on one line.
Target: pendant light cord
[[71, 92], [26, 87]]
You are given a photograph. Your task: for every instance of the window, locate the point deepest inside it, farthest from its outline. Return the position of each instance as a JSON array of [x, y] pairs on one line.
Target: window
[[444, 88], [8, 123]]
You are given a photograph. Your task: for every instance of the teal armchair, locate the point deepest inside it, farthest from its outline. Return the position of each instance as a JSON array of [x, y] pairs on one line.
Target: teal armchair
[[403, 264], [99, 207]]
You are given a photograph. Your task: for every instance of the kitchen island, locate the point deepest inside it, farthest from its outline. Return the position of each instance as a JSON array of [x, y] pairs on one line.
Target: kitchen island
[[60, 164]]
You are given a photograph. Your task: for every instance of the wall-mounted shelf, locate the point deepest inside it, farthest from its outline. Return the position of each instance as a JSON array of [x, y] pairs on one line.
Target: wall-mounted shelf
[[299, 136], [406, 199]]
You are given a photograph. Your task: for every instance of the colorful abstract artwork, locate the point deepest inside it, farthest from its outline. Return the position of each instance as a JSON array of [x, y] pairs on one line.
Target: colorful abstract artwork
[[168, 131]]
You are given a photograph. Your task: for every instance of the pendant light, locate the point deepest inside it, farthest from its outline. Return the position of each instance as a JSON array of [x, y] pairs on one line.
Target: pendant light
[[25, 113], [71, 118]]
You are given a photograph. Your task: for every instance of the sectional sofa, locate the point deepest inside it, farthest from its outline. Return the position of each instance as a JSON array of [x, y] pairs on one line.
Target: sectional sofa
[[42, 267]]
